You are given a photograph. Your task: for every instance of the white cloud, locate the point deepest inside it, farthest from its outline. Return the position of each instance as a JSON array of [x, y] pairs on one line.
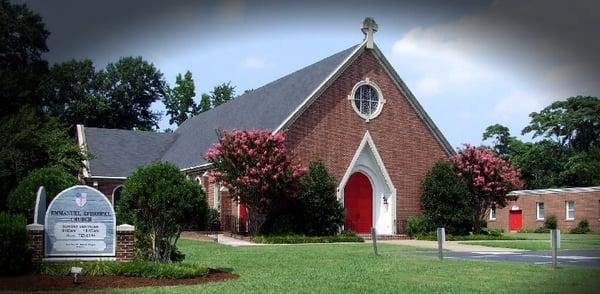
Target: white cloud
[[253, 62]]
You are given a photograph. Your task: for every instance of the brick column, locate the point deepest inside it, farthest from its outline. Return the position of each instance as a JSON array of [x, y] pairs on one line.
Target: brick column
[[36, 235], [125, 243]]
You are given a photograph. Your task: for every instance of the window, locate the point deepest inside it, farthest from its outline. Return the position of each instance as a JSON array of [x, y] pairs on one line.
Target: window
[[217, 197], [570, 210], [117, 196], [367, 99], [493, 212], [540, 210]]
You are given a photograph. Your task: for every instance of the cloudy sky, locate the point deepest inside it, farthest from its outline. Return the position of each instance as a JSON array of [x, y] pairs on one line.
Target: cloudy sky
[[470, 63]]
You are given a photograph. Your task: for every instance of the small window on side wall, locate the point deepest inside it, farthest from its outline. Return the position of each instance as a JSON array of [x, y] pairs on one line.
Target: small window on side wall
[[570, 210], [493, 212], [117, 197], [540, 210]]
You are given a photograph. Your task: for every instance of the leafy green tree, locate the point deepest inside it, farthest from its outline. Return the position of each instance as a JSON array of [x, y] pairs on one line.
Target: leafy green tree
[[322, 213], [30, 140], [179, 100], [574, 122], [222, 93], [72, 92], [159, 200], [54, 179], [22, 43], [204, 103], [446, 201], [504, 144], [131, 85], [15, 250]]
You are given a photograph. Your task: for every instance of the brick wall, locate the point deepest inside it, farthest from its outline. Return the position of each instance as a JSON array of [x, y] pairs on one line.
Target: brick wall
[[330, 130], [106, 186], [125, 250], [587, 206], [36, 235]]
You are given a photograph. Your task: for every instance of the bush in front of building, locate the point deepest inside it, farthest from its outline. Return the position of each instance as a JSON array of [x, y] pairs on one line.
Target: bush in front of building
[[445, 201], [15, 252], [550, 223], [129, 269], [159, 200], [322, 213], [419, 225], [583, 227], [213, 220], [22, 199]]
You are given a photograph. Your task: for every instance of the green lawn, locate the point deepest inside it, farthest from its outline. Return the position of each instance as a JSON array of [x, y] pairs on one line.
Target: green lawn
[[352, 268], [542, 241]]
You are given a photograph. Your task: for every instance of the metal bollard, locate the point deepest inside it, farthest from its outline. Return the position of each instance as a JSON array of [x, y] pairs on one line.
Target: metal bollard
[[441, 236], [554, 239]]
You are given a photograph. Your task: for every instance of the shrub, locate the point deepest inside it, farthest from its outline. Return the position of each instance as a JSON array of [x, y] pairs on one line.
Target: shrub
[[15, 252], [322, 213], [129, 269], [298, 239], [491, 232], [541, 230], [213, 220], [22, 199], [418, 225], [550, 223], [583, 227], [445, 201], [159, 200]]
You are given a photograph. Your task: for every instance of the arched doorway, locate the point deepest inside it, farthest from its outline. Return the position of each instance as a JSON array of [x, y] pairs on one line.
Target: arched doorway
[[358, 201]]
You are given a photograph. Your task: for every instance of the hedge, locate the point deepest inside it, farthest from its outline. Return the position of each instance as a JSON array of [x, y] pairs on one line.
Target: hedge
[[129, 269], [298, 239]]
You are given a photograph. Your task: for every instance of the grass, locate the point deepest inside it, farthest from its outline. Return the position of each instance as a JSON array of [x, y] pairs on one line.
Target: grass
[[535, 241], [352, 268]]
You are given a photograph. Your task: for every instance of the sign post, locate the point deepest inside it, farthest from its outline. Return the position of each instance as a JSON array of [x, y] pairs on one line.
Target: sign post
[[80, 222], [441, 236], [374, 238]]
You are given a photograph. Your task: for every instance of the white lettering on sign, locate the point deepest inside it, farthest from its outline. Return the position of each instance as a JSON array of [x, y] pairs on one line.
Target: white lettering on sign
[[69, 231]]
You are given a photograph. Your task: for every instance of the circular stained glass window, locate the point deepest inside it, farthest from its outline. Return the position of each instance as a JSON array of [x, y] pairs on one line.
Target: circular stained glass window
[[367, 100]]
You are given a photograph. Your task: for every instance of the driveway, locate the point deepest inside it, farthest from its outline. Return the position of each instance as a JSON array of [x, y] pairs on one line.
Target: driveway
[[589, 258]]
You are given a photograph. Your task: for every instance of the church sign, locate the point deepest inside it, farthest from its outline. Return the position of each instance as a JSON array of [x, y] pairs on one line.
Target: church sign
[[80, 222]]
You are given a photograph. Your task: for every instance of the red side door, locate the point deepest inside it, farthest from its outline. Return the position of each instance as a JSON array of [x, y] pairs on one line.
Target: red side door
[[243, 217], [358, 201], [515, 220]]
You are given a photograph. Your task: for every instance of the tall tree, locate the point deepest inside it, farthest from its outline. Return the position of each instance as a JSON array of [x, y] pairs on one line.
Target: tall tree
[[22, 42], [204, 103], [574, 122], [132, 85], [179, 100], [72, 93], [222, 93]]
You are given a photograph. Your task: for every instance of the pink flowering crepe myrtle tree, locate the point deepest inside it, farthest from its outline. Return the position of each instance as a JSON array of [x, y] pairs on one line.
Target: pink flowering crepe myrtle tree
[[256, 167], [488, 177]]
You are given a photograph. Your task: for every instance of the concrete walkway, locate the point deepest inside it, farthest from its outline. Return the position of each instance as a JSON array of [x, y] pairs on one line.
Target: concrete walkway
[[449, 245], [222, 239]]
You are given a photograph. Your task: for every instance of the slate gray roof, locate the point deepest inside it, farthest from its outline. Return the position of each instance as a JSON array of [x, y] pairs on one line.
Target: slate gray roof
[[118, 152]]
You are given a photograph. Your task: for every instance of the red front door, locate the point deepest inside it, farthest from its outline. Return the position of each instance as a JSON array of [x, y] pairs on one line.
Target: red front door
[[515, 220], [358, 201], [243, 218]]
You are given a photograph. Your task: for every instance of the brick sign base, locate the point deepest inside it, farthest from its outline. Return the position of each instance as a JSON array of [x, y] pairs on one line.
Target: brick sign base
[[125, 250]]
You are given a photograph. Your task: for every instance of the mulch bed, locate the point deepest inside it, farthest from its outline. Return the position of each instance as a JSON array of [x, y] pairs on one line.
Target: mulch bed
[[49, 283]]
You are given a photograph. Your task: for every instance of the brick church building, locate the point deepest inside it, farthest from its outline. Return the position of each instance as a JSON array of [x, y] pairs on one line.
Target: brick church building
[[351, 110]]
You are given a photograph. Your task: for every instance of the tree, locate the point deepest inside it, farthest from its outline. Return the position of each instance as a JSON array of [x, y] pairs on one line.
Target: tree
[[31, 140], [54, 179], [22, 43], [504, 144], [488, 178], [131, 86], [72, 92], [256, 167], [179, 100], [574, 122], [322, 213], [222, 93], [204, 103], [159, 200], [446, 202]]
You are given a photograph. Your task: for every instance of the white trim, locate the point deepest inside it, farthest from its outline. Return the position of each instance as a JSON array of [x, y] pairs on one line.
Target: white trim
[[217, 196], [537, 210], [567, 210], [368, 141], [83, 145], [555, 191], [196, 167], [380, 103], [321, 86], [205, 174], [113, 194]]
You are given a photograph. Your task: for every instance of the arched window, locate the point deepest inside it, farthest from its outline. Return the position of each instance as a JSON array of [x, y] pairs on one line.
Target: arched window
[[116, 196], [367, 99]]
